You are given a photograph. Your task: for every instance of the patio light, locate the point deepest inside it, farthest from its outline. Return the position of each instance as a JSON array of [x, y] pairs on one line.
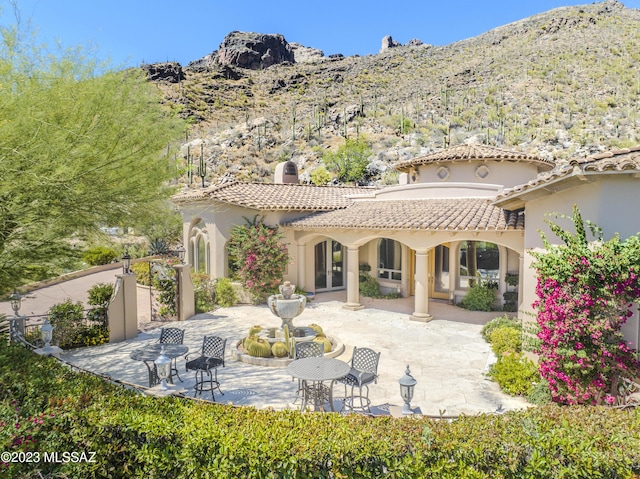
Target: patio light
[[16, 301], [163, 367], [126, 262], [181, 252], [46, 332], [407, 386]]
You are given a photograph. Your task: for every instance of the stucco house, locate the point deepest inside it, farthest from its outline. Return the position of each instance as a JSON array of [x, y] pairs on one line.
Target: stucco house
[[456, 214]]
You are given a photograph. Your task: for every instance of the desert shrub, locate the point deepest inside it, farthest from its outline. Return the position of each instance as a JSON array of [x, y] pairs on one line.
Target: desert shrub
[[204, 291], [99, 297], [515, 374], [67, 321], [480, 297], [225, 294], [369, 286], [98, 255], [141, 270], [505, 340], [500, 322], [540, 394]]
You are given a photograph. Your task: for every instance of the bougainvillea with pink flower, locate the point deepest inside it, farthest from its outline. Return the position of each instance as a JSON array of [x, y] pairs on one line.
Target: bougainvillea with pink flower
[[258, 257], [586, 291]]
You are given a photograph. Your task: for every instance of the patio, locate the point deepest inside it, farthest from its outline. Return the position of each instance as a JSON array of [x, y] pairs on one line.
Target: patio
[[448, 357]]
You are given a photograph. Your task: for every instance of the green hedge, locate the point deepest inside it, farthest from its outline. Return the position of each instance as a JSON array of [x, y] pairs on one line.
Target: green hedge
[[45, 407]]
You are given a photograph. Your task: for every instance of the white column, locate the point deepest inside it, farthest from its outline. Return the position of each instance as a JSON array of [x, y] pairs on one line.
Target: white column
[[520, 281], [421, 307], [353, 279], [302, 263], [454, 269]]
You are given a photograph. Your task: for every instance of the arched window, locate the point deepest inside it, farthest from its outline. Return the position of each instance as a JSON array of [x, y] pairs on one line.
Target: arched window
[[478, 260], [389, 259], [198, 247]]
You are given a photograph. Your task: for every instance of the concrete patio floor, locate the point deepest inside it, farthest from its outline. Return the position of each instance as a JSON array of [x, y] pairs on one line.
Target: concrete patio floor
[[447, 356]]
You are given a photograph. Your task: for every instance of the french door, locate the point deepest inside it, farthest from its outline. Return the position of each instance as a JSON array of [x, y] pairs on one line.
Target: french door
[[329, 266]]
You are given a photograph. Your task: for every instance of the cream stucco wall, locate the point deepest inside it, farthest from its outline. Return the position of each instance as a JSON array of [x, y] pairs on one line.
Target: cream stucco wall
[[504, 173]]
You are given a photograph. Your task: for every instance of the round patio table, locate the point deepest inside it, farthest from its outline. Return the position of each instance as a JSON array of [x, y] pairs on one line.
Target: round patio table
[[150, 353], [313, 372]]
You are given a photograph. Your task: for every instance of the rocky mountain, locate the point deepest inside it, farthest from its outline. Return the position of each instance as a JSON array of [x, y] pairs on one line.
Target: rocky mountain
[[560, 84]]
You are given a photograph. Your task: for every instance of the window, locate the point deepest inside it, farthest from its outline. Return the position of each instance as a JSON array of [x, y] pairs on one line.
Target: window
[[389, 259], [478, 259], [199, 247]]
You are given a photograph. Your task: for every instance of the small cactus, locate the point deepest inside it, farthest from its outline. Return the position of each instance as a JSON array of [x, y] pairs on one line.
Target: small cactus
[[325, 342], [317, 328], [260, 348], [248, 340], [279, 349], [254, 330]]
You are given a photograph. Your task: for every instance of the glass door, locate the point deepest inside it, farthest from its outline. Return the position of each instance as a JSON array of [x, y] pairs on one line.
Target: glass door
[[329, 265], [439, 263]]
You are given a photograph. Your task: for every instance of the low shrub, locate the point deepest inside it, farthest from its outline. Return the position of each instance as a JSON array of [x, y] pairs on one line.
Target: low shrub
[[515, 374], [48, 407], [99, 297], [370, 288], [480, 297], [98, 255], [505, 340], [499, 322], [540, 394], [225, 294], [204, 291], [143, 275], [67, 319]]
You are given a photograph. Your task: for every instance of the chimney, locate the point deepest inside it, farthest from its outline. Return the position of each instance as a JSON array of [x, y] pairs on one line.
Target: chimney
[[286, 172]]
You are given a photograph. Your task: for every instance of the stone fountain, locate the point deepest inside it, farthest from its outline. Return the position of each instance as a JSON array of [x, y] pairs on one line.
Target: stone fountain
[[287, 305]]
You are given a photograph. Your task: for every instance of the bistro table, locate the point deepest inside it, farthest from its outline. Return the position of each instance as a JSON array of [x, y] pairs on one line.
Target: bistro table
[[313, 372], [150, 353]]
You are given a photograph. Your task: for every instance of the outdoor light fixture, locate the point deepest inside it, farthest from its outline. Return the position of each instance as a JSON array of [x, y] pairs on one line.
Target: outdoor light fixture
[[16, 301], [126, 262], [407, 385], [181, 252], [46, 331], [163, 368]]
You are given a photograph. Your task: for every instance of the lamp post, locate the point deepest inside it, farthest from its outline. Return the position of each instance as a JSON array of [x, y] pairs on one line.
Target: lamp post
[[16, 302], [126, 262], [46, 332], [407, 386], [163, 367]]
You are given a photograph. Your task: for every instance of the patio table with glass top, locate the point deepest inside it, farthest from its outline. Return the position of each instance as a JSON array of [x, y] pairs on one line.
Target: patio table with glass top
[[313, 372], [150, 353]]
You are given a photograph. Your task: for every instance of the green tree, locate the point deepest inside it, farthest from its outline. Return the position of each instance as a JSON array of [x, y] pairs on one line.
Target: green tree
[[350, 161], [81, 147]]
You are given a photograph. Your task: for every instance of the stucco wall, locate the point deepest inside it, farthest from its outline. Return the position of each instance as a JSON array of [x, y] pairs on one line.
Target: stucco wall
[[499, 172]]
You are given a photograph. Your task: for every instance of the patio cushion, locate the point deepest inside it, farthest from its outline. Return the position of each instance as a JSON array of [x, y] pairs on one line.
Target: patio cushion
[[352, 377], [203, 363]]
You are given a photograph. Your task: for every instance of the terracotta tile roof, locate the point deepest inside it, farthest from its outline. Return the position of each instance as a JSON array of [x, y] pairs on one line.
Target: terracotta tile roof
[[473, 152], [627, 159], [447, 214], [269, 196]]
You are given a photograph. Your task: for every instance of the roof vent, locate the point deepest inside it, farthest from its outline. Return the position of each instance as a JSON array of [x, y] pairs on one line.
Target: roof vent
[[286, 172]]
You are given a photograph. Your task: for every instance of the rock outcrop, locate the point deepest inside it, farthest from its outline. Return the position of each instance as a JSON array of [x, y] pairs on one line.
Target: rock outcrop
[[304, 54], [169, 72], [254, 51]]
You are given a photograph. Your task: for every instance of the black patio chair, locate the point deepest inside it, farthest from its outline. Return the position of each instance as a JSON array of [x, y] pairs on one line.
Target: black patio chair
[[210, 359], [364, 371], [172, 336]]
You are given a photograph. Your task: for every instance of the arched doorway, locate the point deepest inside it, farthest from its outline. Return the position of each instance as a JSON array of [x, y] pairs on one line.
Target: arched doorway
[[329, 265]]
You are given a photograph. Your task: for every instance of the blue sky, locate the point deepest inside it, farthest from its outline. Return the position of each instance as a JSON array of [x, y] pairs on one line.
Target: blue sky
[[130, 32]]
